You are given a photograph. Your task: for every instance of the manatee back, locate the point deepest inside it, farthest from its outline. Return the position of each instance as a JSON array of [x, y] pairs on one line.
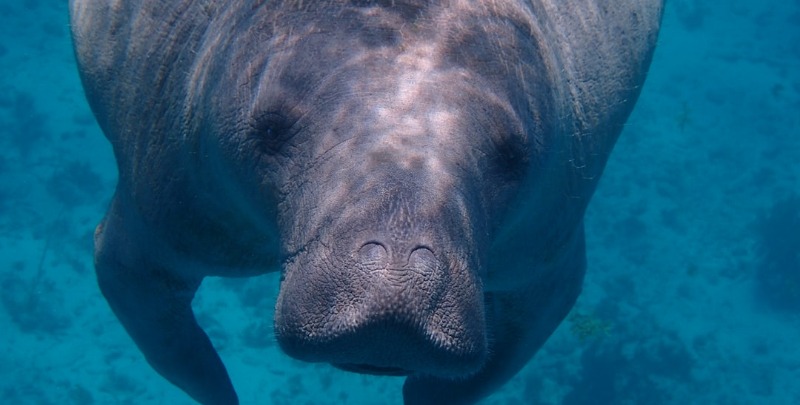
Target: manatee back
[[603, 50], [134, 57]]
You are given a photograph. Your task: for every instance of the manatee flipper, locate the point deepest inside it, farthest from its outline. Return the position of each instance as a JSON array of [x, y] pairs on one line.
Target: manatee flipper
[[154, 306], [522, 320]]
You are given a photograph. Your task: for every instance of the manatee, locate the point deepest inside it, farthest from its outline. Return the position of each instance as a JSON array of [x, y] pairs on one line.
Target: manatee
[[417, 171]]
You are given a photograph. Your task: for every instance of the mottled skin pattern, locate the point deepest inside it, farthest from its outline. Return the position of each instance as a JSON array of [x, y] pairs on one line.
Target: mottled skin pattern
[[418, 171]]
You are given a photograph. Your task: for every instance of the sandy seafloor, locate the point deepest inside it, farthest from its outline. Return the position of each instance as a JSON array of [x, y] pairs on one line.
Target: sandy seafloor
[[692, 293]]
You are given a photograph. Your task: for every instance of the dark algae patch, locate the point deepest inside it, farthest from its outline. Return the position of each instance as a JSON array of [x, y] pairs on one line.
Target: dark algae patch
[[778, 265]]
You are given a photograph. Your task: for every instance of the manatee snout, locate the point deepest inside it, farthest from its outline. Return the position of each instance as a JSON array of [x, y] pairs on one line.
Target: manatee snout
[[386, 292]]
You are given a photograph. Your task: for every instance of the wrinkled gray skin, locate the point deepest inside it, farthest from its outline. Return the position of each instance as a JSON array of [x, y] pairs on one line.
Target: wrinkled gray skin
[[418, 171]]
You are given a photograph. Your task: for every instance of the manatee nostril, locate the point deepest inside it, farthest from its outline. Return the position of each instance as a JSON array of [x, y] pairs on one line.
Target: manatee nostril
[[422, 258], [372, 252]]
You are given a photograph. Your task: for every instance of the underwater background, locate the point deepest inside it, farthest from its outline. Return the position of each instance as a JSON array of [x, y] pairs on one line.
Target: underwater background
[[692, 292]]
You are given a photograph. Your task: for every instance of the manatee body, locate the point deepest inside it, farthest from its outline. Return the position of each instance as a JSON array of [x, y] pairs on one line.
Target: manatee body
[[418, 172]]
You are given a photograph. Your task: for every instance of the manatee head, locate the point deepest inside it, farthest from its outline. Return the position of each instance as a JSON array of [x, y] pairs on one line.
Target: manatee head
[[390, 148]]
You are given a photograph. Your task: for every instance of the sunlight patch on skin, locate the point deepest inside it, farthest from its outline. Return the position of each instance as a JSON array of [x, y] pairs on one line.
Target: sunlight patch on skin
[[418, 64], [412, 122]]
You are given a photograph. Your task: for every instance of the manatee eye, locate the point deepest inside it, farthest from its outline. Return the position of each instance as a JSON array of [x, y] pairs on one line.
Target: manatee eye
[[512, 155], [508, 149], [272, 130]]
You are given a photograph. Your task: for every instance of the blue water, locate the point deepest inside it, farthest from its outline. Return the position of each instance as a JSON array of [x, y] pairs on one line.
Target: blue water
[[693, 287]]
